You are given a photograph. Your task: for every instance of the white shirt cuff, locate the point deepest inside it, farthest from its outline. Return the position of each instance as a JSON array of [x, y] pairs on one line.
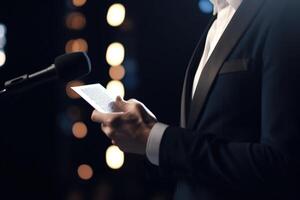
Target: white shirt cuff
[[153, 142]]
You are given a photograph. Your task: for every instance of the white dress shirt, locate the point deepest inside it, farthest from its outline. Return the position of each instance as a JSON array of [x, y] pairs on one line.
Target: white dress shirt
[[225, 10]]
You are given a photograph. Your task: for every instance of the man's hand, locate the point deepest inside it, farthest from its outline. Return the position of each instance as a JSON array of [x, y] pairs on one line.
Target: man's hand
[[129, 128]]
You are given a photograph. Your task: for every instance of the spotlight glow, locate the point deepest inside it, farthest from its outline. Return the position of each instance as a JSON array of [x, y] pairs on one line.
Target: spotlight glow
[[85, 172], [117, 72], [76, 45], [116, 14], [205, 6], [71, 94], [2, 42], [2, 30], [114, 157], [115, 54], [79, 130], [2, 58], [79, 3], [75, 21], [116, 88]]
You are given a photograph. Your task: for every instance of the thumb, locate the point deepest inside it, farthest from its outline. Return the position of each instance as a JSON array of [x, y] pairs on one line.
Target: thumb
[[120, 104]]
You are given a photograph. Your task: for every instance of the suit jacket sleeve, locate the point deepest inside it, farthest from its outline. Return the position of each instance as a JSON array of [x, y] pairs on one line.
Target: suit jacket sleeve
[[205, 158]]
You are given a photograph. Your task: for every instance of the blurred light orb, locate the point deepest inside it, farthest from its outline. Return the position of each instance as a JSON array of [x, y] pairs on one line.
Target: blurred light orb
[[75, 195], [79, 130], [117, 72], [75, 21], [2, 30], [85, 172], [2, 42], [115, 54], [116, 14], [79, 3], [116, 88], [205, 6], [76, 45], [2, 58], [114, 157], [71, 93]]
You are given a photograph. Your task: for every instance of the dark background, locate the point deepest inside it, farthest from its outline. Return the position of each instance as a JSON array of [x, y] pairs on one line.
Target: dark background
[[39, 157]]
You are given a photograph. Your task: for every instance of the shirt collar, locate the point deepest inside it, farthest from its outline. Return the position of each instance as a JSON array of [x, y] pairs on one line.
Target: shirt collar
[[220, 4]]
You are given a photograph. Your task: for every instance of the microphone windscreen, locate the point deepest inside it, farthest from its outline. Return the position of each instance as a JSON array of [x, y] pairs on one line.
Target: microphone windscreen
[[72, 66]]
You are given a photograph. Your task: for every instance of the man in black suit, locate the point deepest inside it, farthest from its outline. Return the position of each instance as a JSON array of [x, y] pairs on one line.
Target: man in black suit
[[240, 117]]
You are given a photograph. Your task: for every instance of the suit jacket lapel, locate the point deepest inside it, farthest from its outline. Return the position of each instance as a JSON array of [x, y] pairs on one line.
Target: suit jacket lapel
[[188, 80], [236, 28]]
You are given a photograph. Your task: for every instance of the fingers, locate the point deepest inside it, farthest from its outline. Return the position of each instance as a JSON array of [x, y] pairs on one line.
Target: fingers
[[107, 130], [127, 106], [143, 110], [110, 122], [110, 133], [120, 104], [105, 118], [130, 106]]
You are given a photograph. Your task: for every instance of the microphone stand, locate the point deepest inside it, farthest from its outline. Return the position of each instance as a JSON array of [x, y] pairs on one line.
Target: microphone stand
[[3, 95], [25, 82], [14, 85], [3, 92]]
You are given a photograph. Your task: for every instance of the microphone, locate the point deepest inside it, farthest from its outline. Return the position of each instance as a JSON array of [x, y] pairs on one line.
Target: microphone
[[66, 67]]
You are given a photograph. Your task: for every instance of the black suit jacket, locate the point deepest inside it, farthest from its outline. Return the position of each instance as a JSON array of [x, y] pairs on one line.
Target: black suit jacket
[[240, 135]]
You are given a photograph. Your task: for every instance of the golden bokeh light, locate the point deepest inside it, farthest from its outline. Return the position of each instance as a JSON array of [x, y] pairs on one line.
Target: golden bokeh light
[[116, 88], [70, 92], [114, 157], [76, 21], [115, 54], [2, 30], [2, 58], [79, 3], [79, 130], [76, 45], [116, 14], [85, 172], [117, 72]]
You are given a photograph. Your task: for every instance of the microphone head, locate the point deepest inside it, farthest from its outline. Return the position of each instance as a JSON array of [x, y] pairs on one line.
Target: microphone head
[[72, 66]]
